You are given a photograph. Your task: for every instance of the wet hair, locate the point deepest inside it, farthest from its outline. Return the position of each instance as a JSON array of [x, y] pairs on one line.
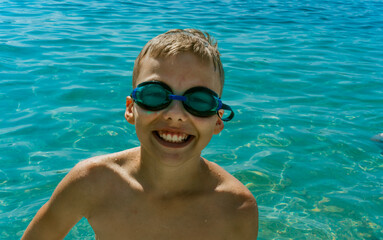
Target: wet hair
[[178, 41]]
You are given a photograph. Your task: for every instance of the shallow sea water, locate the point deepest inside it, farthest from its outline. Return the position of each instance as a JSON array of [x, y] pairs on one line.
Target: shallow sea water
[[304, 77]]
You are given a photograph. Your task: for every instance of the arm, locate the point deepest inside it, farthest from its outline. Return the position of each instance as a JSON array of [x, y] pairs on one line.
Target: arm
[[249, 223], [244, 222], [245, 218], [241, 207], [68, 204]]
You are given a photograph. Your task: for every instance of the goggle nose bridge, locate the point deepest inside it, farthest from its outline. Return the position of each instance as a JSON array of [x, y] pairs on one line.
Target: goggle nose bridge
[[177, 97]]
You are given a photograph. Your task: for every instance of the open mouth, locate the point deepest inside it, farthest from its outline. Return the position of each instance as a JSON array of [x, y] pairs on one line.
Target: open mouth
[[171, 139]]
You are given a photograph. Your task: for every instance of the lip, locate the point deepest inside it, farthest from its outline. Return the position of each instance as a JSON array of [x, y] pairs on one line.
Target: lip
[[170, 144]]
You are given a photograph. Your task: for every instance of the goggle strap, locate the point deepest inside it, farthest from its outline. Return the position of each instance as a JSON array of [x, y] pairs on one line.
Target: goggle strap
[[219, 104], [227, 107], [134, 93]]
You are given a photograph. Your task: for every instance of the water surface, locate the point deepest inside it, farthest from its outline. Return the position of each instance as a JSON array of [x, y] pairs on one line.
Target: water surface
[[304, 77]]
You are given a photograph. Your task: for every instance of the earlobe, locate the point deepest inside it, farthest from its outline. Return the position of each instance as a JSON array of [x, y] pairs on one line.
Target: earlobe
[[129, 116], [219, 125]]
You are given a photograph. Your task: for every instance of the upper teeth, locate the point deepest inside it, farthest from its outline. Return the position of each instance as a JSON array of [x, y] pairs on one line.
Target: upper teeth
[[169, 137]]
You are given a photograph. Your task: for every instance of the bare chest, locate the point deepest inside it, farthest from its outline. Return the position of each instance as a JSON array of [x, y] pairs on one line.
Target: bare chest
[[141, 218]]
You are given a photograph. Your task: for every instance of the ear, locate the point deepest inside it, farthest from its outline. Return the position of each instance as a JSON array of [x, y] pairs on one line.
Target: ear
[[218, 124], [129, 116]]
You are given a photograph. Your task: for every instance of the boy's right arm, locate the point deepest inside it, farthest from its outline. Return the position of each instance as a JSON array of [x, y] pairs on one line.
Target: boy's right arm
[[68, 204]]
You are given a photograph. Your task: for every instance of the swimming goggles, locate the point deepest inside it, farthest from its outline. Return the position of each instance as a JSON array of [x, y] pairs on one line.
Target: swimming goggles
[[199, 101]]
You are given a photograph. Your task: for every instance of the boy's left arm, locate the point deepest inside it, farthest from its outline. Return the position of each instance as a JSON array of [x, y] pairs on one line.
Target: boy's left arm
[[247, 225]]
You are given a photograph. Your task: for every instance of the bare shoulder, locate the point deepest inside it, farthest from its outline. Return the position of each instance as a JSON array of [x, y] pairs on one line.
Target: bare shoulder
[[76, 195], [97, 173], [87, 183], [237, 203], [105, 163], [88, 179]]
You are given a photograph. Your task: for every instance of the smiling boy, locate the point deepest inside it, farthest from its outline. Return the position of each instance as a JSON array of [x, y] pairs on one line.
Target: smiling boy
[[163, 189]]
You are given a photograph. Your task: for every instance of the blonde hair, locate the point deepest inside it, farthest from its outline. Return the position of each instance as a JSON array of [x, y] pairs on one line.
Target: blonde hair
[[178, 41]]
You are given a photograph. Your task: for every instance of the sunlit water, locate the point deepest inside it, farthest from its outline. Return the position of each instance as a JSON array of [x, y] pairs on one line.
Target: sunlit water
[[304, 77]]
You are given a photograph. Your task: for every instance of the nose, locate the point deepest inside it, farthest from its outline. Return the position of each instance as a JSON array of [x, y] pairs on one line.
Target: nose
[[175, 112]]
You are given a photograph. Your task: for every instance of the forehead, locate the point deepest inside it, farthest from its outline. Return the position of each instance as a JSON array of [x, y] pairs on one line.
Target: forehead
[[180, 71]]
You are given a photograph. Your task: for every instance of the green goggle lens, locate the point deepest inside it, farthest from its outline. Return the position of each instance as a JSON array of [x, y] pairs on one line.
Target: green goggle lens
[[202, 101], [152, 96]]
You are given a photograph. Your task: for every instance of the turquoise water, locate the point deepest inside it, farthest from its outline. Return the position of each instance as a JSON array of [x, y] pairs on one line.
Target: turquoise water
[[304, 77]]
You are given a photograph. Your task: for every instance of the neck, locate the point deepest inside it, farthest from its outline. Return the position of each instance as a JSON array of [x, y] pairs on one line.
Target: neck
[[165, 177]]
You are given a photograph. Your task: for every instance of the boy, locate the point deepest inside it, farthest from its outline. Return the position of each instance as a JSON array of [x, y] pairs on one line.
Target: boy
[[163, 189]]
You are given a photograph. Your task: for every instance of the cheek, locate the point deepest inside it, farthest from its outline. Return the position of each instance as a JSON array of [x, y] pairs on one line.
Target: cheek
[[206, 125], [143, 119], [143, 114]]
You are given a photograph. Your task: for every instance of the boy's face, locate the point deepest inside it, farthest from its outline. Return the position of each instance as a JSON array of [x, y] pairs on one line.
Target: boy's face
[[173, 134]]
